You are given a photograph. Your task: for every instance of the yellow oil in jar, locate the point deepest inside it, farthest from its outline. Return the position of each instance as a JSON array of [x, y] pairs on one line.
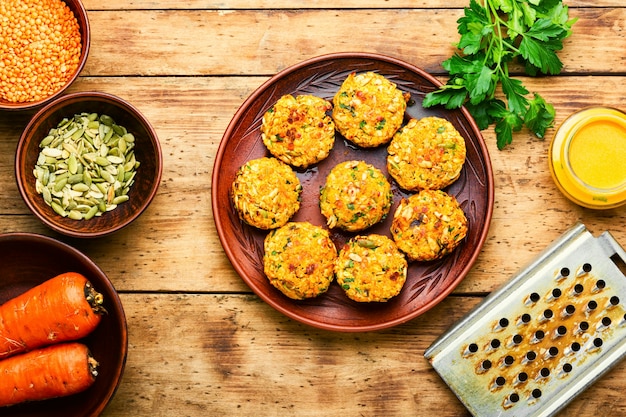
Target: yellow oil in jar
[[597, 154], [588, 158]]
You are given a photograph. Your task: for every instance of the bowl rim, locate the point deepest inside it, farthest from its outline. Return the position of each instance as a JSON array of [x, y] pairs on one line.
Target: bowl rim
[[59, 102], [105, 282], [86, 45]]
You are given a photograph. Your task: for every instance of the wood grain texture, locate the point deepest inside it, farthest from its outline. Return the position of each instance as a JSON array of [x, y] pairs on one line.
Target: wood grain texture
[[263, 42], [200, 342], [305, 4], [234, 355], [162, 243]]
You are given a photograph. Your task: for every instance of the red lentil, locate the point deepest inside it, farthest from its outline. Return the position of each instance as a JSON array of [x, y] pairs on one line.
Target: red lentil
[[40, 47]]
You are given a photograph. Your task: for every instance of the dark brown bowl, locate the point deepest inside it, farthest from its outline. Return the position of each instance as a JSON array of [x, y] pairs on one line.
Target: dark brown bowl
[[79, 11], [427, 282], [27, 260], [147, 152]]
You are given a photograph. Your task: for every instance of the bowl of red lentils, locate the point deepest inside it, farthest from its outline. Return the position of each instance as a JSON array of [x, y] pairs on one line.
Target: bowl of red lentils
[[43, 48]]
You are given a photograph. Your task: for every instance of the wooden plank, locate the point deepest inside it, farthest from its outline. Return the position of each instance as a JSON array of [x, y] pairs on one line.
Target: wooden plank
[[174, 246], [263, 42], [199, 355], [305, 4]]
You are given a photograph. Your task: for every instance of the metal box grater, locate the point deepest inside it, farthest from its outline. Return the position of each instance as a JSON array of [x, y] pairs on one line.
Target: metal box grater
[[541, 339]]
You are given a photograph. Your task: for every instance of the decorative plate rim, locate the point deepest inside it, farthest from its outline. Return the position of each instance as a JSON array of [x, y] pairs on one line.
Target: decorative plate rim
[[290, 307]]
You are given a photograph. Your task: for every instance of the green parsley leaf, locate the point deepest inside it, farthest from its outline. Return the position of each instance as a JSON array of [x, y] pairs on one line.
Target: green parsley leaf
[[494, 33]]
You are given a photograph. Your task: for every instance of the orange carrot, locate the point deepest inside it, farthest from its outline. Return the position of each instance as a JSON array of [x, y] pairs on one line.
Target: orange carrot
[[53, 371], [61, 309]]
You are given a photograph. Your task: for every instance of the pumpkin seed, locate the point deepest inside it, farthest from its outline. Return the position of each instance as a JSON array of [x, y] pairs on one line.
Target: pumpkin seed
[[86, 166], [92, 212], [120, 199]]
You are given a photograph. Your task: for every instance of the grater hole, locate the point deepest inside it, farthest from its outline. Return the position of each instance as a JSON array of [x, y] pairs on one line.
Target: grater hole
[[495, 343], [471, 349], [533, 298], [514, 397], [565, 370], [556, 293], [591, 306], [597, 344], [503, 323], [538, 337], [521, 377], [508, 360], [529, 357], [484, 366], [552, 352], [577, 290], [613, 301], [546, 315], [536, 393], [604, 324], [584, 269], [500, 381], [524, 319], [568, 310], [600, 285], [564, 272], [561, 331], [515, 340], [573, 348]]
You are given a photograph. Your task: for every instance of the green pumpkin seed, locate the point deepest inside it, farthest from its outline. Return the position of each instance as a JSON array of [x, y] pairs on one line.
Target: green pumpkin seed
[[120, 199], [75, 214], [106, 120], [86, 166], [92, 212], [82, 187], [58, 209], [102, 161], [75, 179]]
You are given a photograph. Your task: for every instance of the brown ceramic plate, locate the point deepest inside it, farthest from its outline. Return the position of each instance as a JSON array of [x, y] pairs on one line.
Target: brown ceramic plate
[[427, 283]]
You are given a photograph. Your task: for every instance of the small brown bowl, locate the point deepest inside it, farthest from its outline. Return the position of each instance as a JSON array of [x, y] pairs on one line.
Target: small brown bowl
[[27, 260], [147, 152], [80, 13]]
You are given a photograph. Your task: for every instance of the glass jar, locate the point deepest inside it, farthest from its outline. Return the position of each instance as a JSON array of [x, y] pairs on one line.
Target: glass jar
[[588, 158]]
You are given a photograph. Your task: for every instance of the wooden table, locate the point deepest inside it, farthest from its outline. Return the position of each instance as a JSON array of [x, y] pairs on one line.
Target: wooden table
[[200, 342]]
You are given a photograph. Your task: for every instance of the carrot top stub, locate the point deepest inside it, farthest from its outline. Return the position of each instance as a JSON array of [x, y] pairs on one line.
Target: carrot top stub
[[62, 309]]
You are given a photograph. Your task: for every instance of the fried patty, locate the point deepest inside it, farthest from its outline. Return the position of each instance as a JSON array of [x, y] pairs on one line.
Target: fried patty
[[298, 130], [428, 225], [426, 154], [299, 259], [266, 193], [368, 109], [371, 268], [355, 196]]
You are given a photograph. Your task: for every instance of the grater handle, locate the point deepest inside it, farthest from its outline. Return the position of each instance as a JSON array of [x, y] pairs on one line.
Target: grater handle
[[613, 250]]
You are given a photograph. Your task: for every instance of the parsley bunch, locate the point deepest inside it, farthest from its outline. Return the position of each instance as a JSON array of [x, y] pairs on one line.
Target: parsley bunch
[[493, 35]]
